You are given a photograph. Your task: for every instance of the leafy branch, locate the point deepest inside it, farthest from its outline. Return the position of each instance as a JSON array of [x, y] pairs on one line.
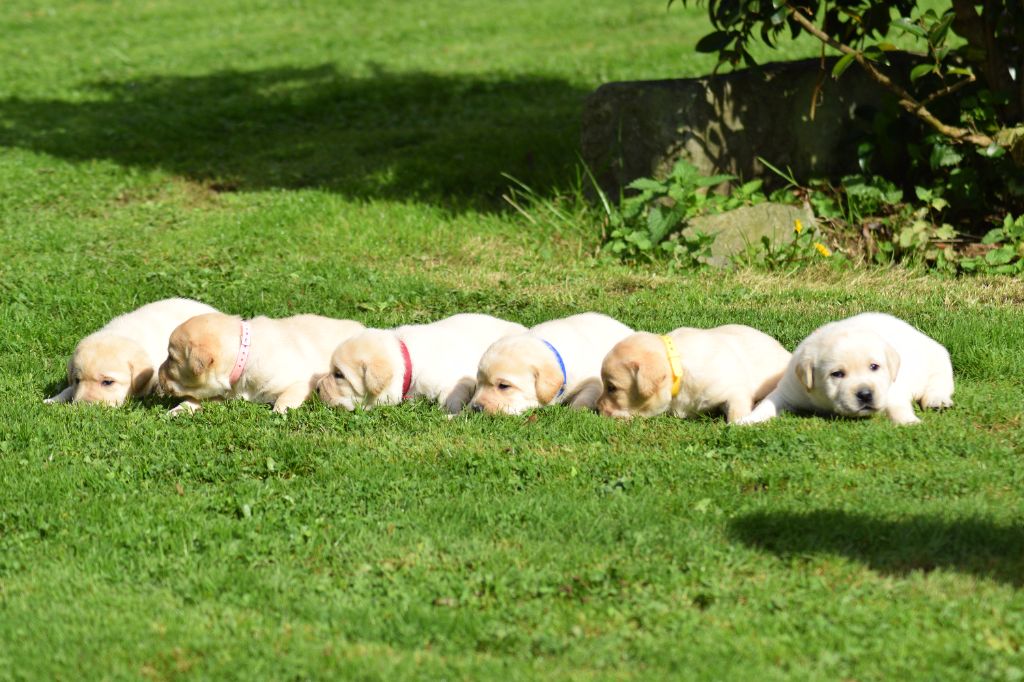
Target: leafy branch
[[906, 100]]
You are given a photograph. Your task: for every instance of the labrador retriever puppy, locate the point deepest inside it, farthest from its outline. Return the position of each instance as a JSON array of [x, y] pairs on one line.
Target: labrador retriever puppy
[[556, 362], [437, 361], [859, 366], [120, 360], [263, 360], [691, 371]]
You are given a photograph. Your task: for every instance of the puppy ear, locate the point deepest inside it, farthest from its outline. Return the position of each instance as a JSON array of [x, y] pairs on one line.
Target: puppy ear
[[377, 375], [547, 382], [140, 381], [892, 359], [805, 371], [199, 360], [141, 371], [647, 379]]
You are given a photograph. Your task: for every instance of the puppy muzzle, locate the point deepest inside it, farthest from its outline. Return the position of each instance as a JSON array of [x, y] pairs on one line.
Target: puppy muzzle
[[865, 399]]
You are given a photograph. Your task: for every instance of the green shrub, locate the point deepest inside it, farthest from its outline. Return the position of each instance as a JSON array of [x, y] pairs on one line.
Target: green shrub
[[649, 223]]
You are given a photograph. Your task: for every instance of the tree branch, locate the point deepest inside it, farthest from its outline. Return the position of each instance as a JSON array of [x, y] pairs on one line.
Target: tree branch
[[906, 100], [949, 90]]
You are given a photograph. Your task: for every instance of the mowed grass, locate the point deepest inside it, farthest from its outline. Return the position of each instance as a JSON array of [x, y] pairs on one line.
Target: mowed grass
[[346, 159]]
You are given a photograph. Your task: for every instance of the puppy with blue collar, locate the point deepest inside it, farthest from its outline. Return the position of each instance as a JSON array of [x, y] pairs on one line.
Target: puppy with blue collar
[[556, 362], [690, 371]]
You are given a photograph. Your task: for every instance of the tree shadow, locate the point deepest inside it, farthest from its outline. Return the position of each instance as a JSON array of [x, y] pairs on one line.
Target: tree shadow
[[414, 136], [915, 543]]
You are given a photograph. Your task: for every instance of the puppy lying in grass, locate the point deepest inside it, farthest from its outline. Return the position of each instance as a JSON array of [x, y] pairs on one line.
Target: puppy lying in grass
[[555, 362], [437, 361], [691, 371], [862, 365], [121, 359], [263, 360]]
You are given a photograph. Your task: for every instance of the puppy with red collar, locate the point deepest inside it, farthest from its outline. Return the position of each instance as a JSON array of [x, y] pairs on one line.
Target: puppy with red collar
[[264, 360], [437, 361], [691, 371]]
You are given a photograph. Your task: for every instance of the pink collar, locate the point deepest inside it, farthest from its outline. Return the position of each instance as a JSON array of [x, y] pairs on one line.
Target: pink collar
[[243, 353], [407, 377]]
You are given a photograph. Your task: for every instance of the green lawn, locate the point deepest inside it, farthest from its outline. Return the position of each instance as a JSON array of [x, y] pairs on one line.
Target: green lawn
[[343, 158]]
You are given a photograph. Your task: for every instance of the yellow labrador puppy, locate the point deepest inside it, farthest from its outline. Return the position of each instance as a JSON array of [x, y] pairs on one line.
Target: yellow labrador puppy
[[437, 361], [555, 362], [121, 359], [859, 366], [691, 371], [263, 360]]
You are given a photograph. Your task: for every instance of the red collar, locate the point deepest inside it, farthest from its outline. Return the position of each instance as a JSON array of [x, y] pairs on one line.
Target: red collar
[[407, 377]]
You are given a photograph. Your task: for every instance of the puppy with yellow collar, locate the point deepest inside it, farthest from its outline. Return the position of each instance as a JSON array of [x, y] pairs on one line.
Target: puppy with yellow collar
[[691, 371]]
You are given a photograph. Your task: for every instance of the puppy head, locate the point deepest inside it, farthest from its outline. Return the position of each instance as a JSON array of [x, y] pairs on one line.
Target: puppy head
[[200, 356], [516, 373], [107, 369], [637, 378], [362, 369], [850, 371]]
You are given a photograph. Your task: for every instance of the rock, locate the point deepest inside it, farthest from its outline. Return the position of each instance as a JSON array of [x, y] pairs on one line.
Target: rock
[[723, 123], [742, 226]]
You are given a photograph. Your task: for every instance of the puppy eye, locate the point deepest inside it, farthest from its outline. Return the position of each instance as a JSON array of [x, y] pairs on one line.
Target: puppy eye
[[873, 367], [502, 386], [610, 389], [107, 382], [338, 374], [838, 374]]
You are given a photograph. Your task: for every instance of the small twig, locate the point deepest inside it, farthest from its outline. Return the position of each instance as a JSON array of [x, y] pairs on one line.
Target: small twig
[[948, 90], [906, 100], [816, 94]]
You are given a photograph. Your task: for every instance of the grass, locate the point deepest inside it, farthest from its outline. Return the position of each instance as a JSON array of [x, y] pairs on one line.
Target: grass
[[278, 157]]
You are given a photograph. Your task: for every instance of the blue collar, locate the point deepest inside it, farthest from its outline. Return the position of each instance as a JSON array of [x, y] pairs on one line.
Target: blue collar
[[561, 366]]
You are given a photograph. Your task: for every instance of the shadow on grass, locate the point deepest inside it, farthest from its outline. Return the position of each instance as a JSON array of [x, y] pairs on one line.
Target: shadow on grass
[[417, 136], [916, 543]]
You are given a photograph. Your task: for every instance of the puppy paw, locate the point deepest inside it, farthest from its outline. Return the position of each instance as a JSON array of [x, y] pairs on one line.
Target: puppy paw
[[905, 419], [937, 402], [184, 407], [50, 401]]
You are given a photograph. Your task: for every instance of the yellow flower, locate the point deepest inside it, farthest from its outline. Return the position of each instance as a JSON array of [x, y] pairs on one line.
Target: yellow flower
[[822, 249], [798, 226]]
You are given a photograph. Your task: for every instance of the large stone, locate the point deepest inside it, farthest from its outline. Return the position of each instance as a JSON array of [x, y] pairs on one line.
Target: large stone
[[744, 226], [723, 123]]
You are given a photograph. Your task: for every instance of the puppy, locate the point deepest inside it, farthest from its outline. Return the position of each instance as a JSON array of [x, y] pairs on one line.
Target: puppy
[[216, 356], [437, 361], [690, 372], [555, 362], [121, 359], [859, 366]]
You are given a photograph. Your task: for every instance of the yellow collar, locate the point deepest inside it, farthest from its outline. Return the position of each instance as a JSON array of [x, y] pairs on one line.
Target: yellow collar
[[675, 362]]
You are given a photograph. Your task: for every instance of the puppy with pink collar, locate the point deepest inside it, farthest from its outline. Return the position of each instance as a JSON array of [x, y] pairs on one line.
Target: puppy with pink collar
[[264, 360]]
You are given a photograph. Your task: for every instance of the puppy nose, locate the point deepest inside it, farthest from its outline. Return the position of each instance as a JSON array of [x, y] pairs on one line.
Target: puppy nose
[[865, 396], [476, 407]]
